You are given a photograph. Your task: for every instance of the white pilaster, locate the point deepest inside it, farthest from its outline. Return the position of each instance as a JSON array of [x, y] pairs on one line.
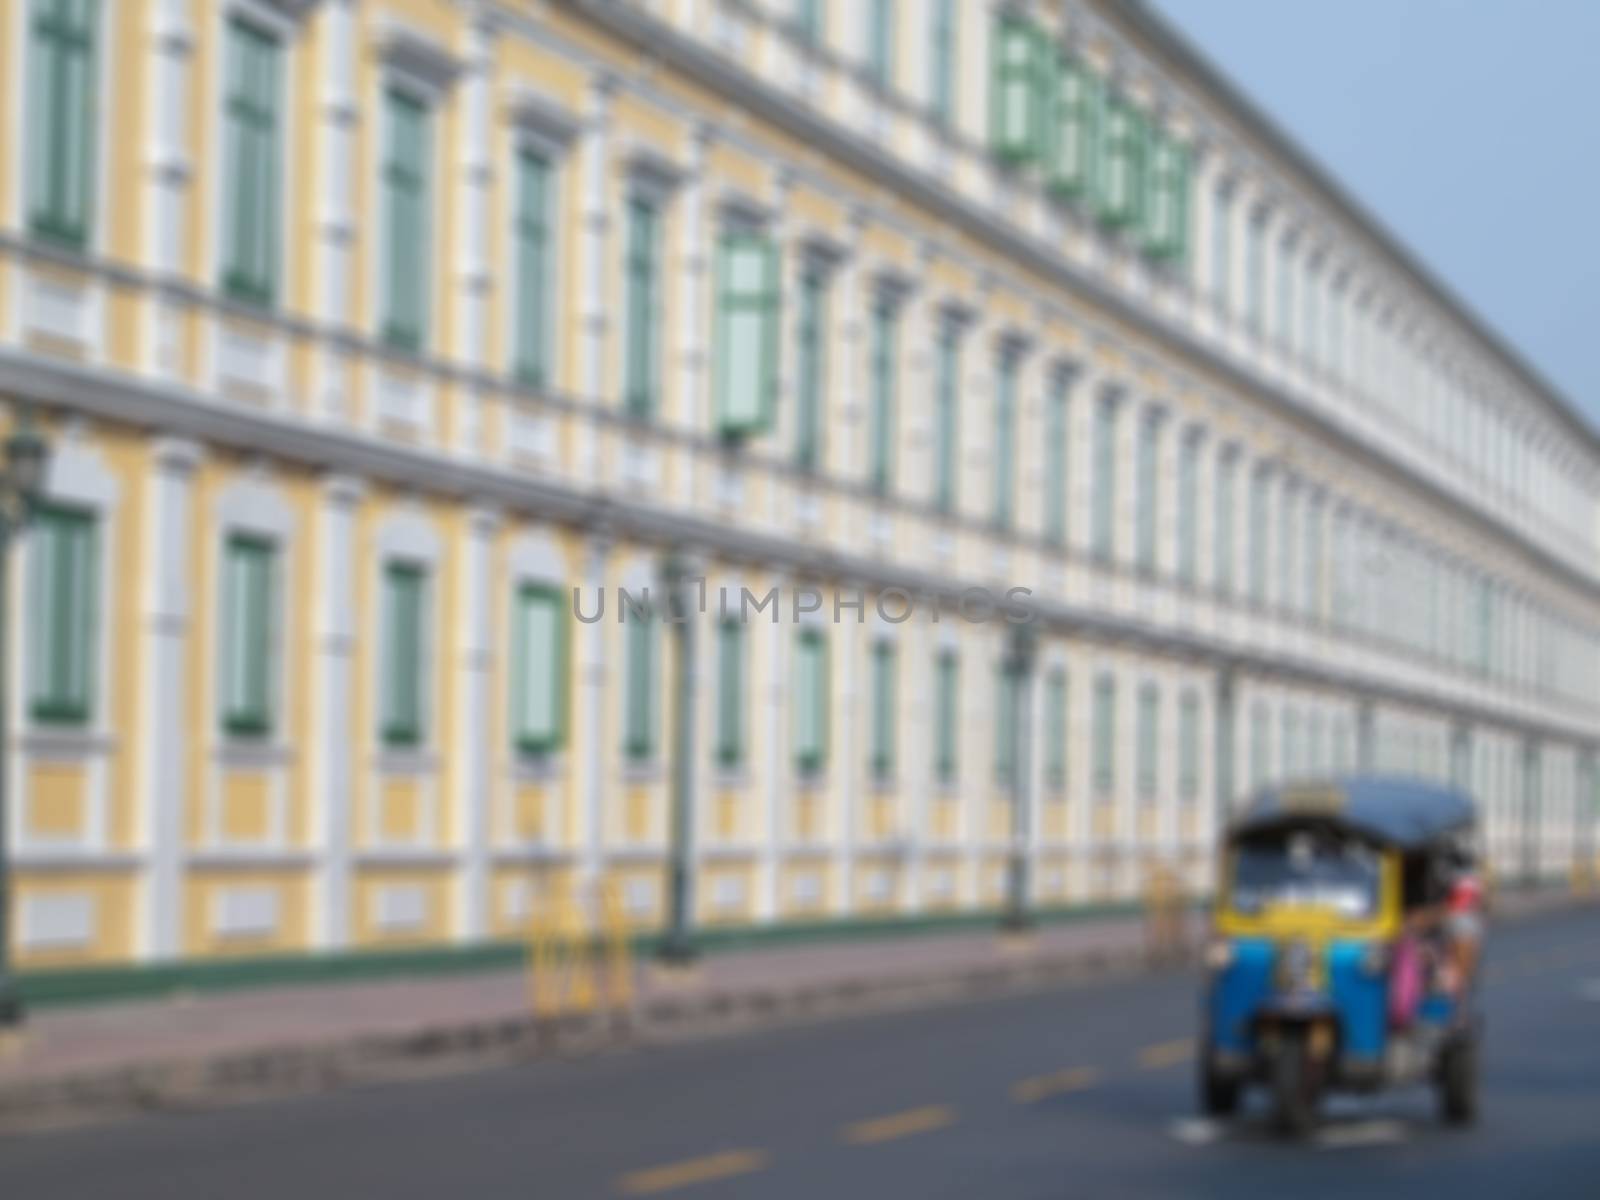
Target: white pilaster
[[166, 621], [594, 241], [591, 682], [473, 749], [474, 215], [168, 169], [334, 674]]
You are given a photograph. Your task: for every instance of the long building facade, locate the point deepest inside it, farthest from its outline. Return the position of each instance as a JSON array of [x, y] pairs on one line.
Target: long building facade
[[382, 345]]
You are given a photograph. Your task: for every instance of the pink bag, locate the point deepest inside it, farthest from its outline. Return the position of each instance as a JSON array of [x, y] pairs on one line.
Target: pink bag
[[1405, 982]]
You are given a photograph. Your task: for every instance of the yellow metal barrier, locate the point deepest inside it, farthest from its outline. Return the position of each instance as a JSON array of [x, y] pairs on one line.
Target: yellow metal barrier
[[1165, 912], [580, 957]]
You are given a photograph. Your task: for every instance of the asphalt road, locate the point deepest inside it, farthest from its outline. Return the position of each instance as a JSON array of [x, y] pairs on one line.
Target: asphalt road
[[1083, 1092]]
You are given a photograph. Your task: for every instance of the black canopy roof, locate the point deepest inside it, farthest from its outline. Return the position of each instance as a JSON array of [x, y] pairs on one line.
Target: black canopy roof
[[1407, 813]]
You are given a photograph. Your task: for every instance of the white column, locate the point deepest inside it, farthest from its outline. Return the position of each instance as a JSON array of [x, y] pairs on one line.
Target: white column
[[473, 220], [333, 250], [597, 747], [336, 624], [774, 704], [694, 396], [593, 161], [845, 766], [844, 427], [167, 169], [163, 723], [474, 750]]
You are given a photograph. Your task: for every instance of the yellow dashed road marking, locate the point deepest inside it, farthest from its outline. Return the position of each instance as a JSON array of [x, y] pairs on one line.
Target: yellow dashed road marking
[[1058, 1083], [1165, 1054], [667, 1178], [898, 1125]]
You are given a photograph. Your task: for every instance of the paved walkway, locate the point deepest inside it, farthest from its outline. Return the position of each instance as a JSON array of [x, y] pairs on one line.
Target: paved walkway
[[70, 1041], [82, 1042]]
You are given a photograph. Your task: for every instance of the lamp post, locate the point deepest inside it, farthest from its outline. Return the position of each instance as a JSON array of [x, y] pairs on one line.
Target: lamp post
[[1020, 647], [21, 483], [677, 947]]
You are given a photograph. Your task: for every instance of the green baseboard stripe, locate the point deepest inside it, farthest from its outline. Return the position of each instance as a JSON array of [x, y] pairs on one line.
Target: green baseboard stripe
[[136, 981]]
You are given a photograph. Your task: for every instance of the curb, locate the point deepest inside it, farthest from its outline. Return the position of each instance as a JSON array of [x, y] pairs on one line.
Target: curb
[[306, 1068]]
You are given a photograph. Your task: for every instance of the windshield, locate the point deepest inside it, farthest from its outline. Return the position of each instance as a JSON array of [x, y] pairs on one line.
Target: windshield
[[1306, 870]]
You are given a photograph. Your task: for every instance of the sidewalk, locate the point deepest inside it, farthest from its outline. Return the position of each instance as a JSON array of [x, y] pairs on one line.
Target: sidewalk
[[163, 1053], [83, 1063]]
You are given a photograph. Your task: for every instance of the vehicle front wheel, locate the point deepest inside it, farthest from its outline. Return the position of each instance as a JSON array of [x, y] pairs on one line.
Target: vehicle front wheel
[[1294, 1093], [1458, 1081], [1219, 1095]]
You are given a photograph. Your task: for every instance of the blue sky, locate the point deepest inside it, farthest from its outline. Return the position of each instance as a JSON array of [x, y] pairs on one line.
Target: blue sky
[[1470, 127]]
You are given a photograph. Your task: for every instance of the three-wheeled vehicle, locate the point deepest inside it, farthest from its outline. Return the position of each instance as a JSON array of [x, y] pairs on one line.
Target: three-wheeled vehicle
[[1329, 965]]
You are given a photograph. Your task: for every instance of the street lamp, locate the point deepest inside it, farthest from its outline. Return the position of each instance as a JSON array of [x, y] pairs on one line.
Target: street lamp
[[21, 483], [677, 946], [1021, 645]]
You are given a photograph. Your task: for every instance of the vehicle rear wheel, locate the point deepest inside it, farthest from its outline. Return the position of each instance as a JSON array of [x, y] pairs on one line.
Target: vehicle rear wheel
[[1294, 1092], [1219, 1095], [1458, 1081]]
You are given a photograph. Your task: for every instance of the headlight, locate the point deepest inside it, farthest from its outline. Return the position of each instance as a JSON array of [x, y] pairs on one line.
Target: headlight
[[1219, 954]]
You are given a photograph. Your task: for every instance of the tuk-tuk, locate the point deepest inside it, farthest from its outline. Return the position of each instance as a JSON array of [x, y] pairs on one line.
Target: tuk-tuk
[[1329, 966]]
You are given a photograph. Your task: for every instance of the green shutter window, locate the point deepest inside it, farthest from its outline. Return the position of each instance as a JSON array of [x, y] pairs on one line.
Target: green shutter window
[[1103, 508], [1188, 508], [880, 42], [1189, 747], [1254, 271], [406, 226], [947, 420], [1315, 762], [539, 668], [1223, 744], [249, 600], [1260, 746], [1005, 437], [1149, 741], [946, 754], [535, 280], [810, 368], [883, 711], [62, 562], [642, 305], [1015, 95], [1310, 294], [1313, 559], [1105, 735], [404, 652], [730, 693], [1055, 746], [881, 430], [1165, 211], [1055, 449], [1071, 128], [1292, 766], [1222, 534], [250, 156], [1149, 430], [747, 334], [1222, 246], [1007, 694], [1286, 270], [1117, 198], [639, 716], [942, 61], [808, 20], [1286, 524], [62, 86], [1258, 537], [811, 702]]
